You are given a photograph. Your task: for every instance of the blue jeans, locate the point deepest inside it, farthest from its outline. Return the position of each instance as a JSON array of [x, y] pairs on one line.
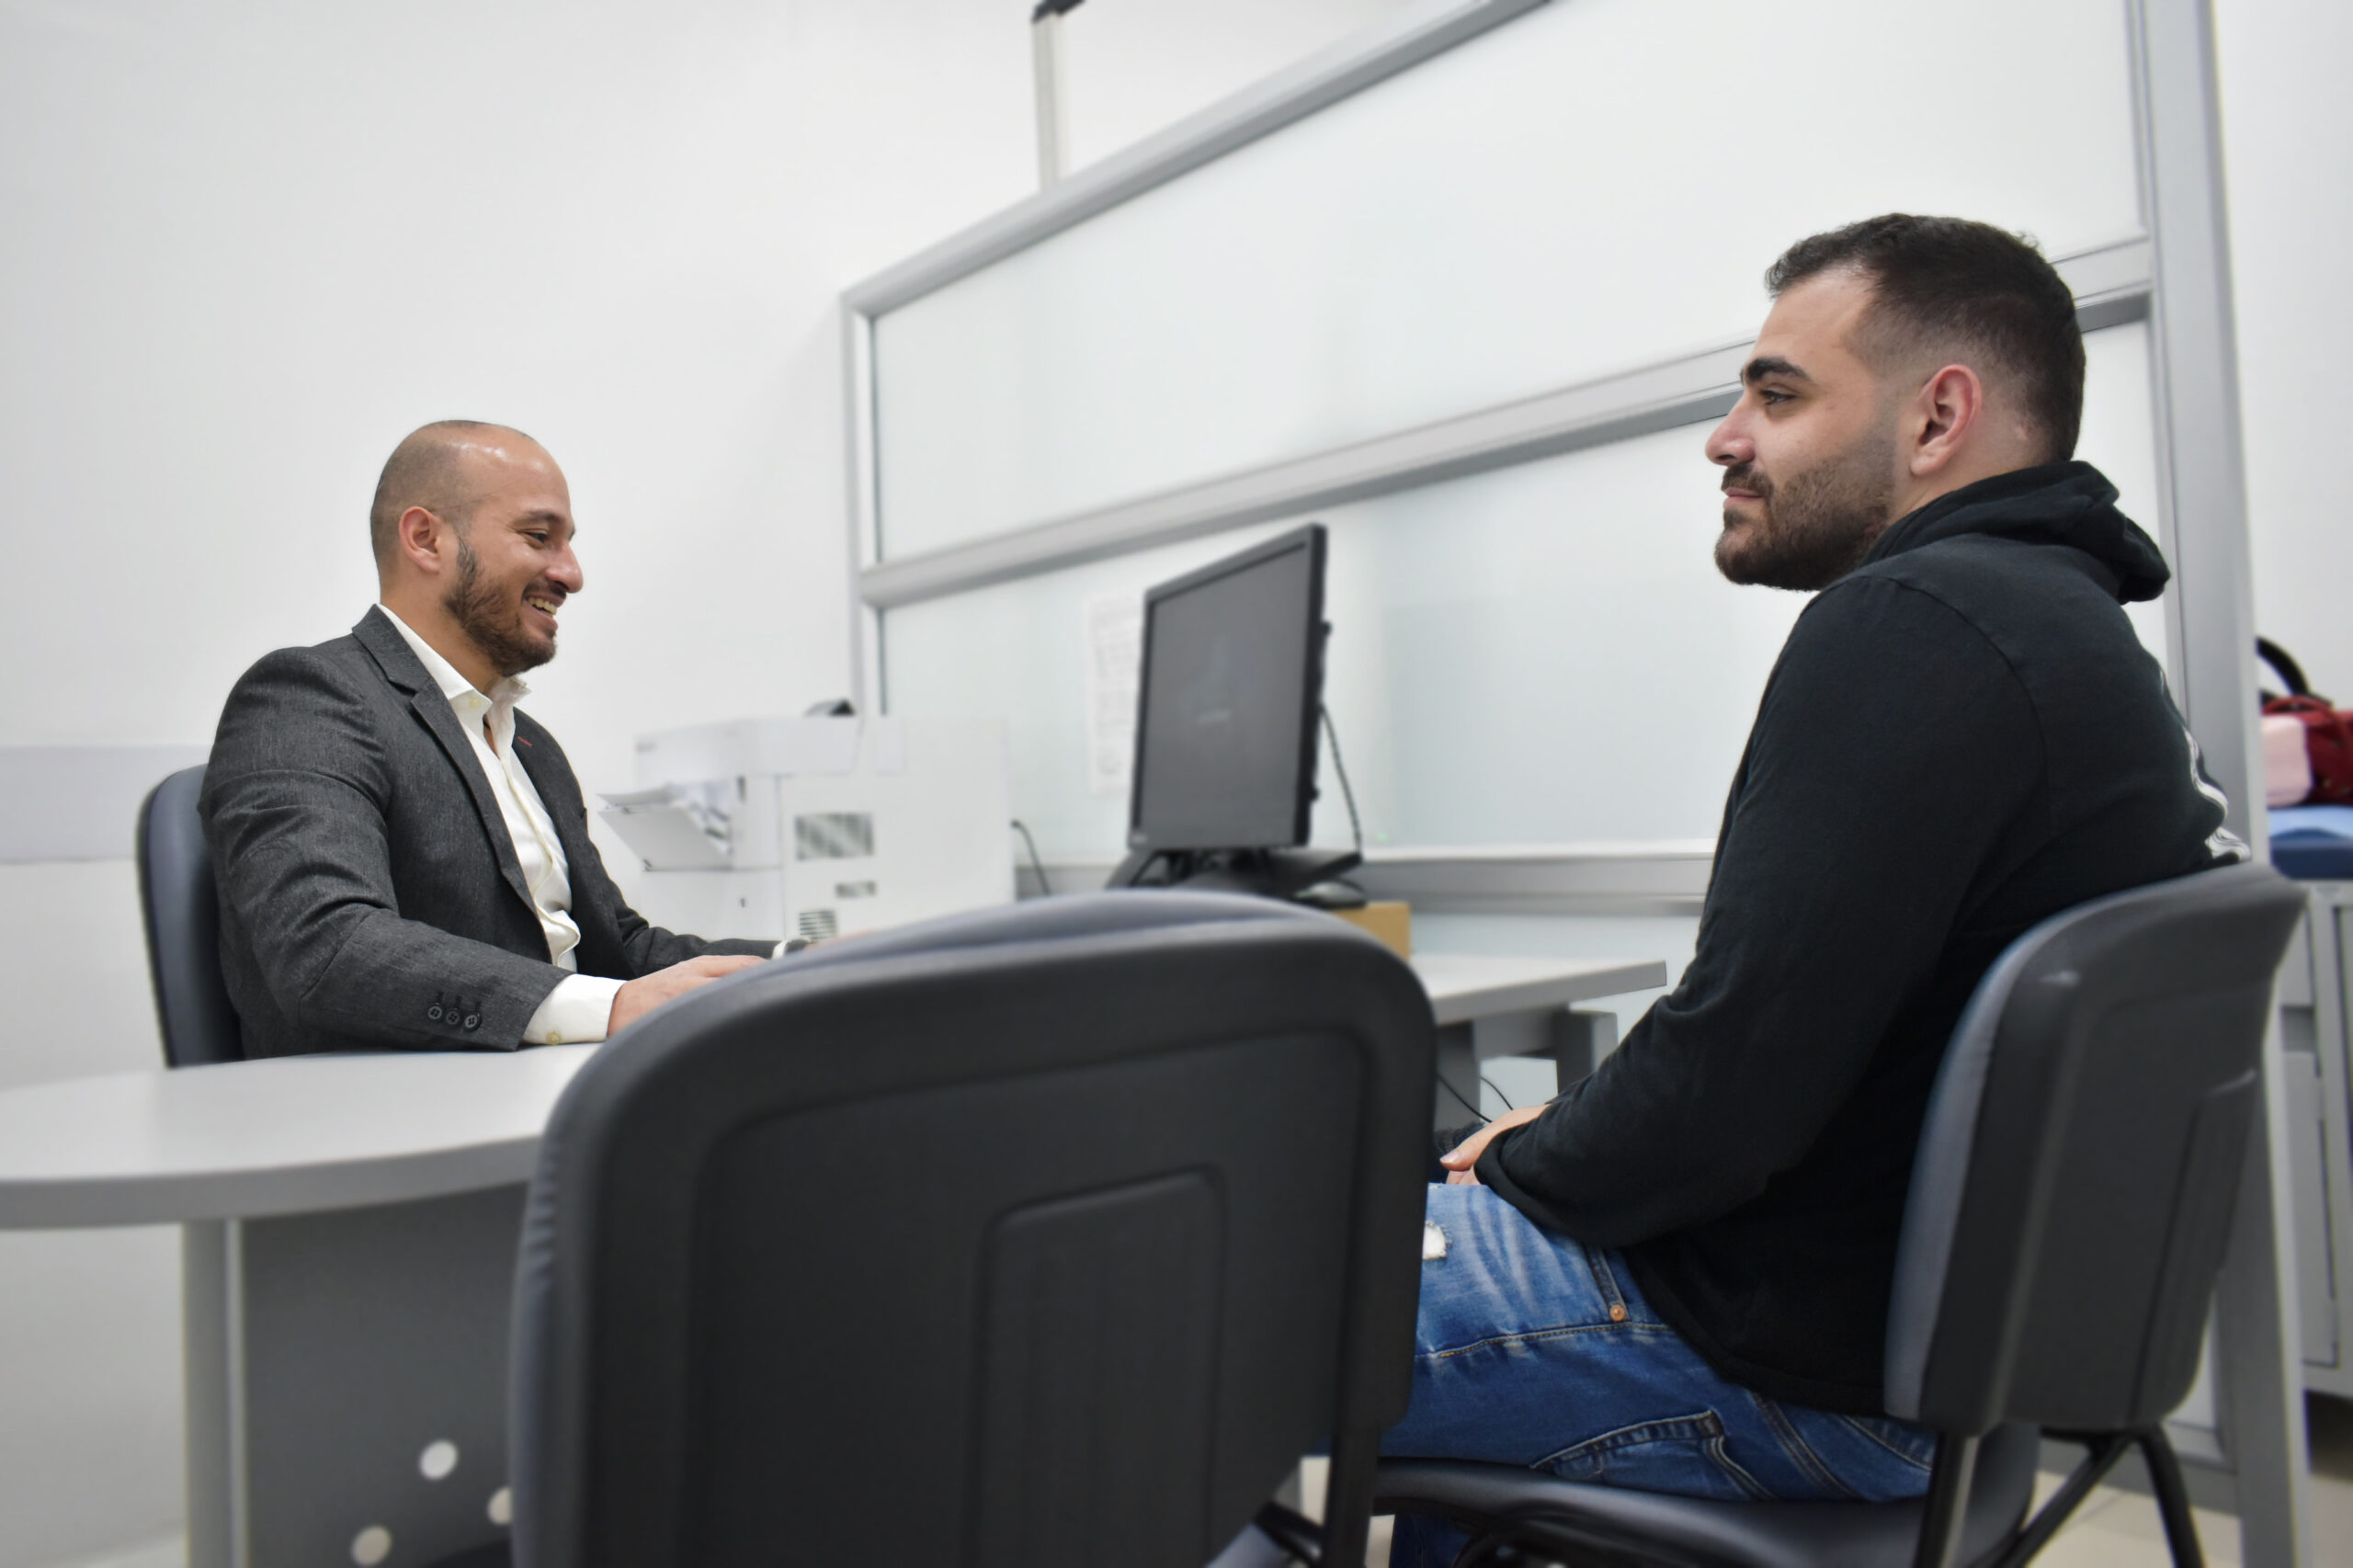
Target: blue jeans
[[1532, 1349]]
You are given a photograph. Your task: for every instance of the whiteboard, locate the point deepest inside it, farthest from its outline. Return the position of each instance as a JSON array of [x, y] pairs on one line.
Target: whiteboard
[[1597, 184], [1543, 653]]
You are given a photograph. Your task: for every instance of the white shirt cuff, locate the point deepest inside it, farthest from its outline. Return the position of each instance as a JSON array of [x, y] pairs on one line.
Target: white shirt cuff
[[575, 1012]]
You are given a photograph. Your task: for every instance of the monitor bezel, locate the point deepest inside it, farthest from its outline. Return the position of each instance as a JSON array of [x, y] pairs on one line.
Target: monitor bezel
[[1314, 538]]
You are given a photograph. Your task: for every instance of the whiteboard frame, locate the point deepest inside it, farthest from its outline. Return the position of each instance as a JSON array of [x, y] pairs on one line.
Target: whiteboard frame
[[1416, 33], [2179, 277], [2111, 285]]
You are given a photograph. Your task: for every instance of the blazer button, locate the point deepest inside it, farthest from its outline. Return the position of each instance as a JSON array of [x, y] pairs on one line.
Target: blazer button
[[473, 1020], [434, 1013]]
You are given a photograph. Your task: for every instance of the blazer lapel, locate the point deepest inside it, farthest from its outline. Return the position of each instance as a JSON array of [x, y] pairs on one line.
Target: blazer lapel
[[401, 666], [559, 792]]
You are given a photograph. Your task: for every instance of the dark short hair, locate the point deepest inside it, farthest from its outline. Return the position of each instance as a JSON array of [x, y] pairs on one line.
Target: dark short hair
[[422, 471], [1952, 286]]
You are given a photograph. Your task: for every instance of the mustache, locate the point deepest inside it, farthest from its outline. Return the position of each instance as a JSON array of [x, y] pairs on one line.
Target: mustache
[[1748, 477]]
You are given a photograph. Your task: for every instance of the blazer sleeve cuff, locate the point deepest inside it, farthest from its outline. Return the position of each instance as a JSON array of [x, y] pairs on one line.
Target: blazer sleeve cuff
[[575, 1012]]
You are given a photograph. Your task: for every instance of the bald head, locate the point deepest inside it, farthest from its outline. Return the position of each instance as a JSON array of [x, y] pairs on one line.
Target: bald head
[[472, 529], [441, 467]]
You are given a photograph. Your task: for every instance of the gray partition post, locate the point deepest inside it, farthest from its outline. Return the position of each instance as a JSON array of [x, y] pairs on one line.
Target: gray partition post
[[2203, 492]]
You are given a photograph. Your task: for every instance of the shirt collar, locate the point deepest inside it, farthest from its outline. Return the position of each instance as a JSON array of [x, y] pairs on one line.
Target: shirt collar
[[455, 686]]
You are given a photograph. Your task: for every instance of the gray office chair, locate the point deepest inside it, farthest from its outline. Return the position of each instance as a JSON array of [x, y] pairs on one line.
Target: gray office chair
[[1049, 1236], [183, 918], [2066, 1225]]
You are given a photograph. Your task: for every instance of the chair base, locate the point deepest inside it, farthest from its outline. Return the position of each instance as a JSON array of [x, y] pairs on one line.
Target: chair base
[[1616, 1528], [2102, 1450]]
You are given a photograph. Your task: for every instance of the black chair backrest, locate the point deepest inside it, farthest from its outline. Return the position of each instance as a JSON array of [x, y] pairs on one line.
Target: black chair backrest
[[2073, 1190], [177, 898], [1050, 1236]]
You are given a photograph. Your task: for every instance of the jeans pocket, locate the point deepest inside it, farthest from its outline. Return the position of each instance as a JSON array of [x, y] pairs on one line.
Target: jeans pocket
[[1852, 1457], [1685, 1455], [1910, 1444]]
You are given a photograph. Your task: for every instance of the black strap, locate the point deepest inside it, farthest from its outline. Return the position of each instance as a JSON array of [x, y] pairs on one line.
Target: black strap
[[2284, 664]]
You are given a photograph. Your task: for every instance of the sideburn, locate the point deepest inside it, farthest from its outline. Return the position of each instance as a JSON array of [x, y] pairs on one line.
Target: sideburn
[[476, 607]]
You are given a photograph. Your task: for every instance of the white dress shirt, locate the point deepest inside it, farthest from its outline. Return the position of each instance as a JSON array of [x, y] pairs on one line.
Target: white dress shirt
[[580, 1007]]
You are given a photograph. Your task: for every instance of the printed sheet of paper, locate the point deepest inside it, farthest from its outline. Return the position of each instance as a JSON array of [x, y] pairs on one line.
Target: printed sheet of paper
[[1114, 663]]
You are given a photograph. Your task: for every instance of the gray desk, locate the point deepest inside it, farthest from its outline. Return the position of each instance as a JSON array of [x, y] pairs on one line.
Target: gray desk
[[348, 1227], [1488, 1007], [349, 1230]]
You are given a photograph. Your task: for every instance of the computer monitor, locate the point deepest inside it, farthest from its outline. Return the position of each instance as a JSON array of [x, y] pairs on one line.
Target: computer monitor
[[1231, 689]]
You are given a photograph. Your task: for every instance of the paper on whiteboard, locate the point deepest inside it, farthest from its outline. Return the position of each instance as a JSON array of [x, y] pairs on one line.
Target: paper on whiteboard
[[1114, 659]]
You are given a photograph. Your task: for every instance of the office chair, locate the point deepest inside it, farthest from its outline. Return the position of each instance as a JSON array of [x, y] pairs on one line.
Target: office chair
[[1047, 1236], [183, 919], [2066, 1225]]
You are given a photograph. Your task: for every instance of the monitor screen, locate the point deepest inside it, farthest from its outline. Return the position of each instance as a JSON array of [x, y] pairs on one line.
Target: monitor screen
[[1232, 683]]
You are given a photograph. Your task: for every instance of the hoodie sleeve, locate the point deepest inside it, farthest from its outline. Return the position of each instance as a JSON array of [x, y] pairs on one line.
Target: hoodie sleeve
[[1894, 746]]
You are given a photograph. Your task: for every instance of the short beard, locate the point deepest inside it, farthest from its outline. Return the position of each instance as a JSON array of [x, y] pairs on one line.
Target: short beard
[[487, 621], [1818, 526]]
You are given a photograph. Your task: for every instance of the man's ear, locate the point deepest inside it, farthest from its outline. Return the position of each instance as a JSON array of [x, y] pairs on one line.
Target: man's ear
[[420, 539], [1946, 414]]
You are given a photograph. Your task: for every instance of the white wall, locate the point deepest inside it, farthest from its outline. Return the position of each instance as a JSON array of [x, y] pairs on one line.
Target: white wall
[[243, 249], [1136, 65], [2287, 147], [89, 1321]]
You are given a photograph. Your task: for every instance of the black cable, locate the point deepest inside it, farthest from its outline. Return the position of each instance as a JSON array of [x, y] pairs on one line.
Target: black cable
[[1499, 1093], [1341, 768], [1036, 864], [1458, 1095]]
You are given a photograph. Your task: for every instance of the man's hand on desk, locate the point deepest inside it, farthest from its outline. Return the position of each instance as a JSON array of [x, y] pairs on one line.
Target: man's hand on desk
[[1461, 1162], [639, 997]]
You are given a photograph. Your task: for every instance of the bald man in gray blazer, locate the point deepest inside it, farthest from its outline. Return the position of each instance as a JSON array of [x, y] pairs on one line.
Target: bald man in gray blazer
[[402, 854]]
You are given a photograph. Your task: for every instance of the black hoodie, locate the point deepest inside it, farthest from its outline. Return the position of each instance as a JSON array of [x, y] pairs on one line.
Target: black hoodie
[[1961, 738]]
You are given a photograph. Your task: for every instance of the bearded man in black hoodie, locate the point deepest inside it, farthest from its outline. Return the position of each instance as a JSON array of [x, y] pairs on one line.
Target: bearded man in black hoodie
[[1676, 1275]]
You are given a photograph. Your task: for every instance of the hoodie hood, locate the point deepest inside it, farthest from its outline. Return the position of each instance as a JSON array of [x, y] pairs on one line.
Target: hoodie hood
[[2069, 503]]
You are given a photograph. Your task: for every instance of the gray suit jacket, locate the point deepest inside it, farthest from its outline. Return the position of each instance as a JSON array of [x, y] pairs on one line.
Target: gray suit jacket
[[369, 892]]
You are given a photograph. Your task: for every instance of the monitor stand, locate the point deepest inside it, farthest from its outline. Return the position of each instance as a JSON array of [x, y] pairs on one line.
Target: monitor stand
[[1269, 873]]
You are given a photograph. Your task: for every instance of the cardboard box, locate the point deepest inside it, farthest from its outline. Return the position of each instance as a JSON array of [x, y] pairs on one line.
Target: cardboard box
[[1392, 924]]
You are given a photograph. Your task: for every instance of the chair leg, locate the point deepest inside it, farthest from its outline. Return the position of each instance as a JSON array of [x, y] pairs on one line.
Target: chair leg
[[2173, 1496], [1293, 1531], [1948, 1502], [1348, 1496], [2102, 1451]]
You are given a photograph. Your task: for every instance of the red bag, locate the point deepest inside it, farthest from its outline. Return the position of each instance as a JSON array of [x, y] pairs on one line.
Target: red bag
[[2328, 730]]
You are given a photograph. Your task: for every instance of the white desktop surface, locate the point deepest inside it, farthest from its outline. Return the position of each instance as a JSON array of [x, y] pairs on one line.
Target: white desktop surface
[[1464, 986], [291, 1135], [302, 1134]]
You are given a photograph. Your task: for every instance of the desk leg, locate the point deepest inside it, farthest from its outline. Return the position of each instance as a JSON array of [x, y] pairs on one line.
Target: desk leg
[[1458, 1070], [346, 1382], [1574, 1042]]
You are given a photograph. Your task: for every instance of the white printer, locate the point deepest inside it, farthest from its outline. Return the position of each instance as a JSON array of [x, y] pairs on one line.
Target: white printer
[[817, 828]]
